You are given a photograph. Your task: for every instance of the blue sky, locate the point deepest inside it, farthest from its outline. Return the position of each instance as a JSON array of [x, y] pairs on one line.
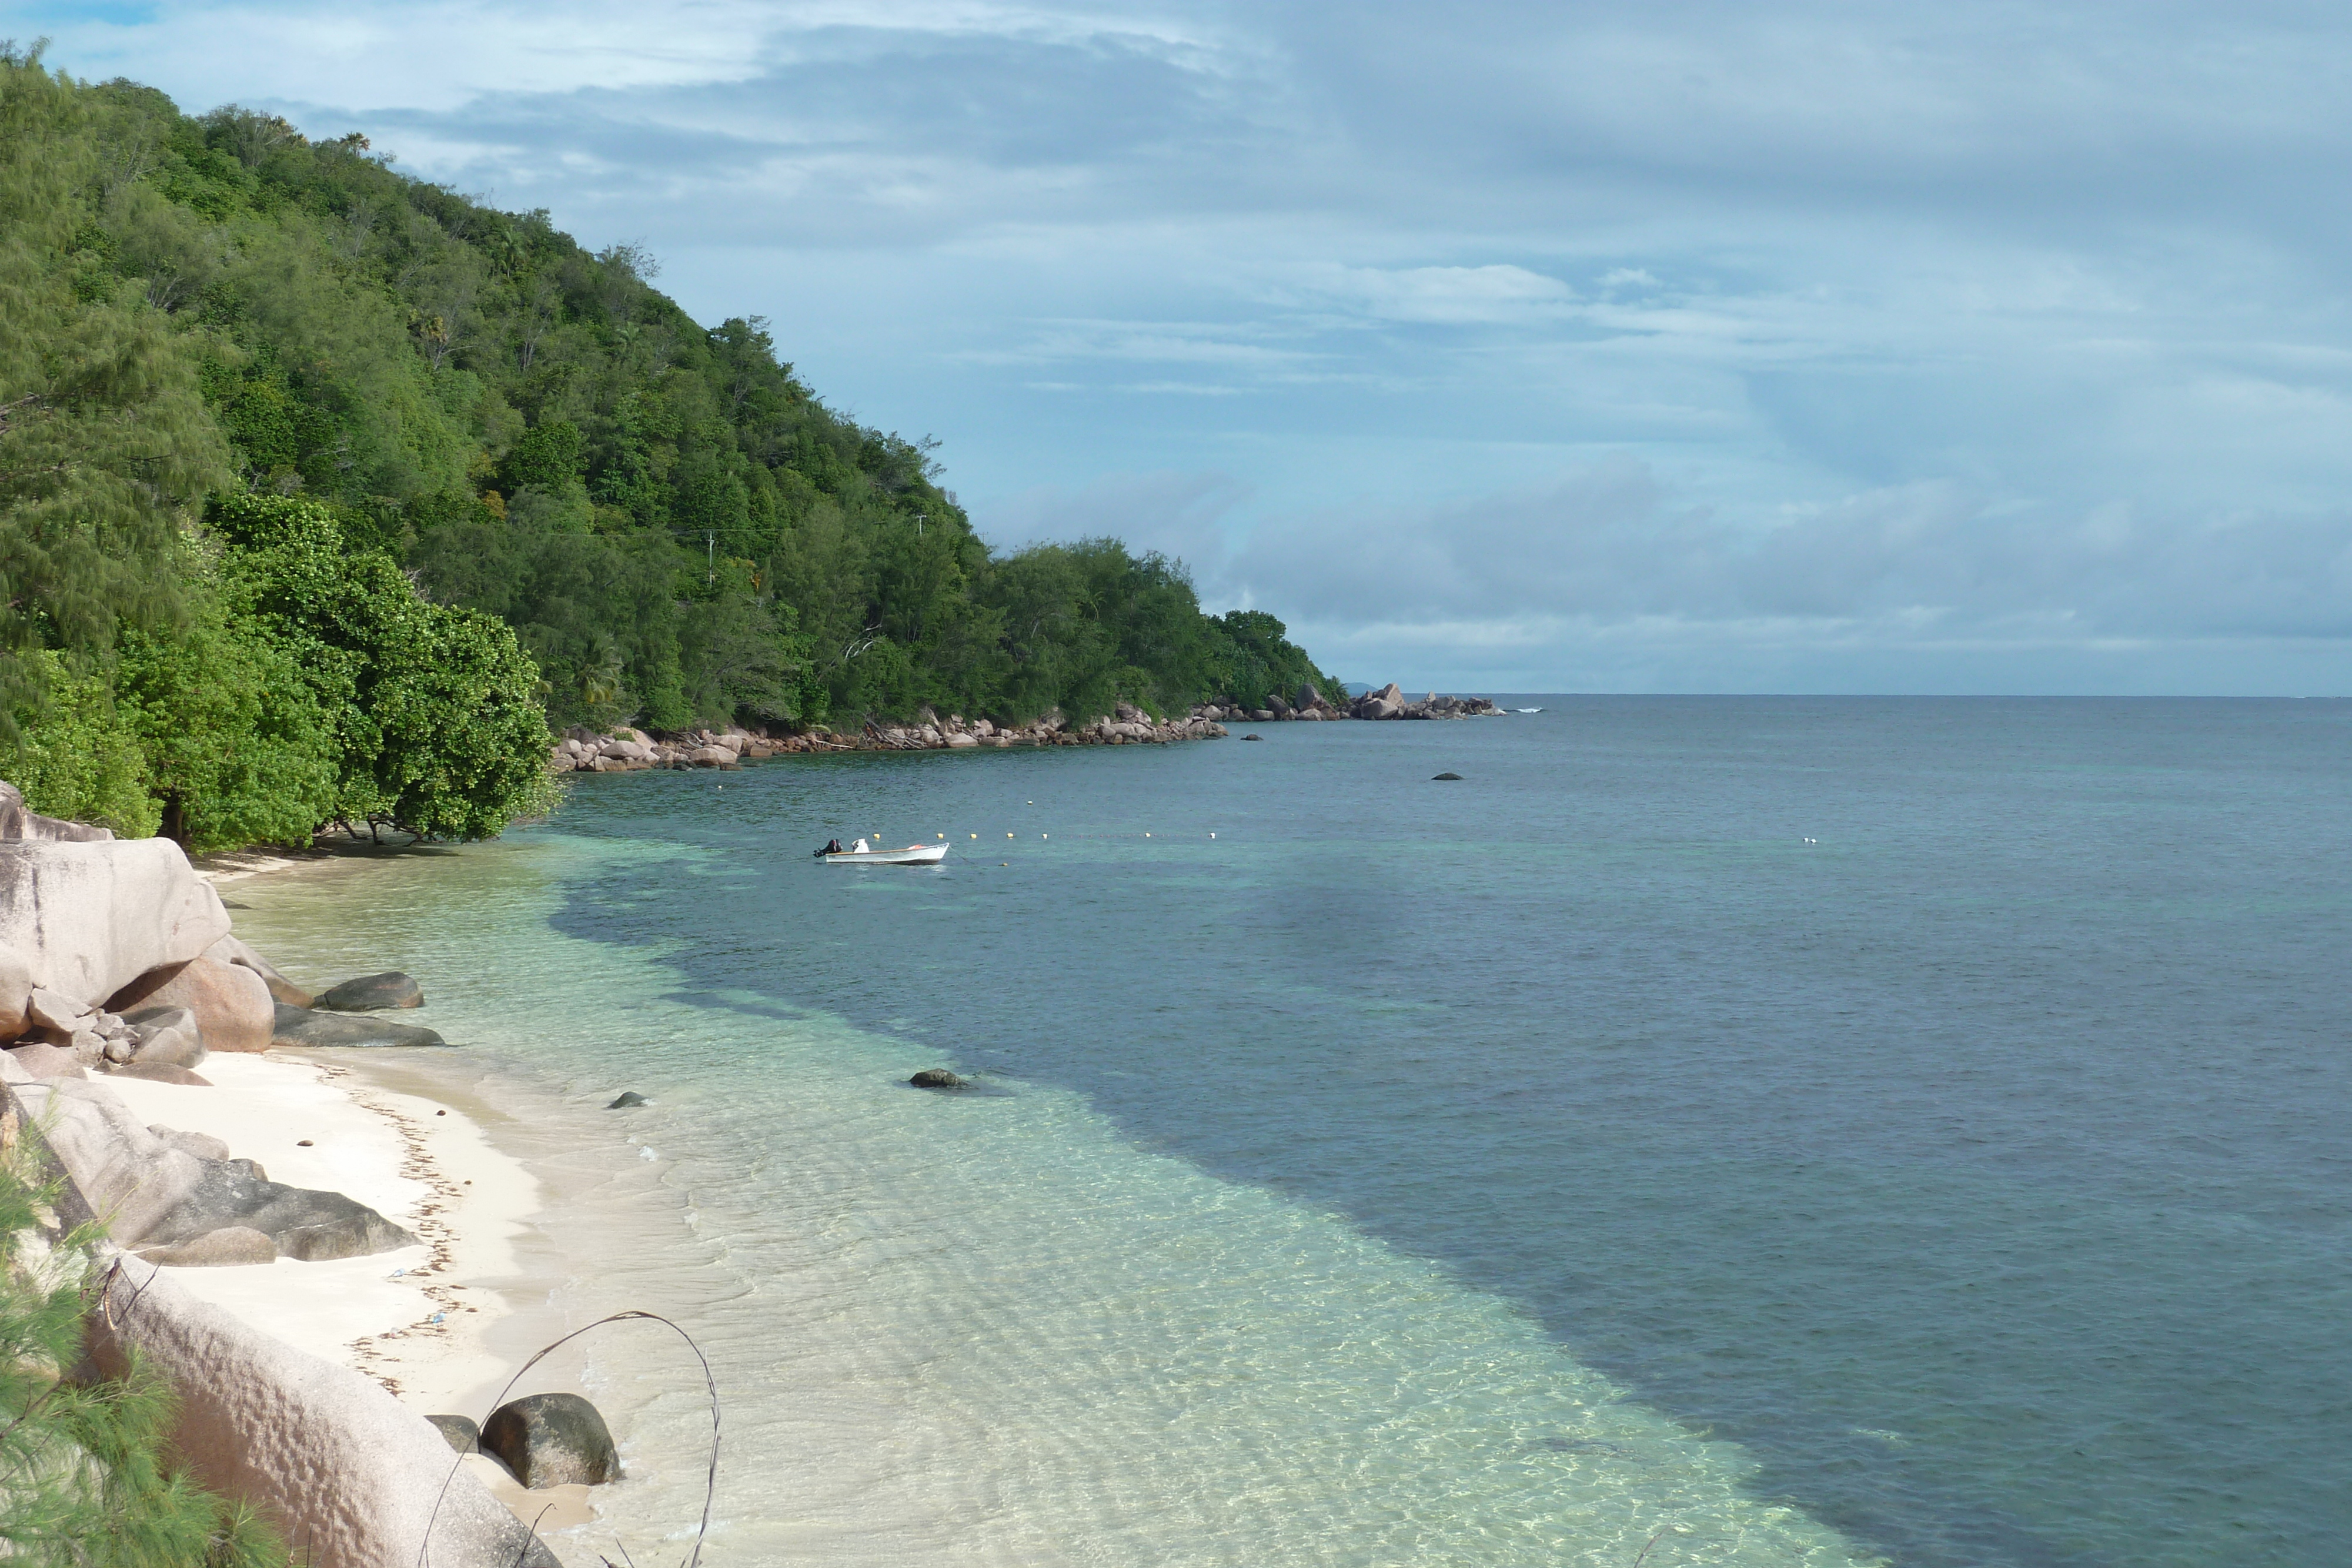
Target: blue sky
[[1675, 347]]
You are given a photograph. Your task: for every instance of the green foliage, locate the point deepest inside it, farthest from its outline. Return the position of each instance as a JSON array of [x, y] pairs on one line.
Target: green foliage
[[239, 741], [675, 526], [104, 437], [435, 723], [87, 1483], [77, 757], [608, 512], [1255, 660]]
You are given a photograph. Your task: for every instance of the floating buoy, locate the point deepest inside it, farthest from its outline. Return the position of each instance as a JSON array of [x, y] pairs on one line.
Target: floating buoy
[[975, 835], [1213, 835]]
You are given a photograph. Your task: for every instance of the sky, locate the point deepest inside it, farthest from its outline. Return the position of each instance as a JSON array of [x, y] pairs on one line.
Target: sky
[[1686, 346]]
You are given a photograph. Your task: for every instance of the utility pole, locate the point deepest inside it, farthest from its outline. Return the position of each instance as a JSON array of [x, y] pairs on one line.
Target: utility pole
[[919, 525], [709, 557]]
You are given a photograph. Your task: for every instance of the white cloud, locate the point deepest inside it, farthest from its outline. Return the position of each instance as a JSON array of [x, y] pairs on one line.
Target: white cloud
[[1498, 292], [1909, 327]]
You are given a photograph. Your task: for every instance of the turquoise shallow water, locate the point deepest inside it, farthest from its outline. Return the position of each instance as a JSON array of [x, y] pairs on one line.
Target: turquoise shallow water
[[1500, 1171]]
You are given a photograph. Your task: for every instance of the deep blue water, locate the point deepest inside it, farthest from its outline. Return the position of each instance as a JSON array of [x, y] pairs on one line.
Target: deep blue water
[[1945, 1099]]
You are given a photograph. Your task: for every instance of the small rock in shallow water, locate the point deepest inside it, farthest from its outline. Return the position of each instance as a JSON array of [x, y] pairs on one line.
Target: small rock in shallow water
[[938, 1078], [1443, 776], [551, 1440], [627, 1100]]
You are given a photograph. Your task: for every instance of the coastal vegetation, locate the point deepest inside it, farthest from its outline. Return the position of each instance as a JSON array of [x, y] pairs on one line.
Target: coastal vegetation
[[325, 491]]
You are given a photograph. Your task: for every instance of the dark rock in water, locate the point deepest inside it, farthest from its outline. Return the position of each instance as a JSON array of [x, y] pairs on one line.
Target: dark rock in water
[[551, 1440], [232, 1246], [459, 1432], [627, 1100], [300, 1026], [1455, 777], [1252, 737], [938, 1078], [371, 993], [310, 1226]]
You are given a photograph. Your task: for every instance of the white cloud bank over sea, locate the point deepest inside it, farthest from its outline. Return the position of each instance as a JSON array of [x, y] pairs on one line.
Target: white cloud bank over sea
[[1699, 346]]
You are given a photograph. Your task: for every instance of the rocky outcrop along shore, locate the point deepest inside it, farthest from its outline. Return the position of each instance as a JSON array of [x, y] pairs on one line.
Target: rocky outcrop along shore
[[117, 958], [585, 750], [349, 1476]]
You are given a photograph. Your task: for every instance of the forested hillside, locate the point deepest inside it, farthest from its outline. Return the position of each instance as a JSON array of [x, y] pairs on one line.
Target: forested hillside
[[324, 490]]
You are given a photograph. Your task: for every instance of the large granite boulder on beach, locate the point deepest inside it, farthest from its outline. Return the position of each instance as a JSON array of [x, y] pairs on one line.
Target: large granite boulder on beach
[[87, 918], [551, 1440], [166, 1035], [232, 1005], [230, 1247], [43, 1060], [333, 1459], [300, 1026], [153, 1192], [302, 1223], [18, 821], [712, 756], [229, 950], [371, 993], [204, 1145]]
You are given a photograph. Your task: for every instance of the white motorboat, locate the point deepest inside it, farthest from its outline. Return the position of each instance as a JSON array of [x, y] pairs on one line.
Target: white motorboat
[[913, 854], [1528, 710]]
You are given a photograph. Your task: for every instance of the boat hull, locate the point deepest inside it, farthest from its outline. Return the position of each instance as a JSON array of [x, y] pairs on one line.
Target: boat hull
[[914, 854]]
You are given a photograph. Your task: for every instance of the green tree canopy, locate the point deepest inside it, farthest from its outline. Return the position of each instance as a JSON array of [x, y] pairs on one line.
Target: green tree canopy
[[465, 477]]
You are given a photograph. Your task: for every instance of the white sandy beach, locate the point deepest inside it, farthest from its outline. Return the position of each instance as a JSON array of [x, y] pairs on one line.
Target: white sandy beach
[[417, 1319]]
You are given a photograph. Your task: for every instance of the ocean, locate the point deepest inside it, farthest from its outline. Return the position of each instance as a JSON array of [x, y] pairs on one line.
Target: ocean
[[1710, 1131]]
